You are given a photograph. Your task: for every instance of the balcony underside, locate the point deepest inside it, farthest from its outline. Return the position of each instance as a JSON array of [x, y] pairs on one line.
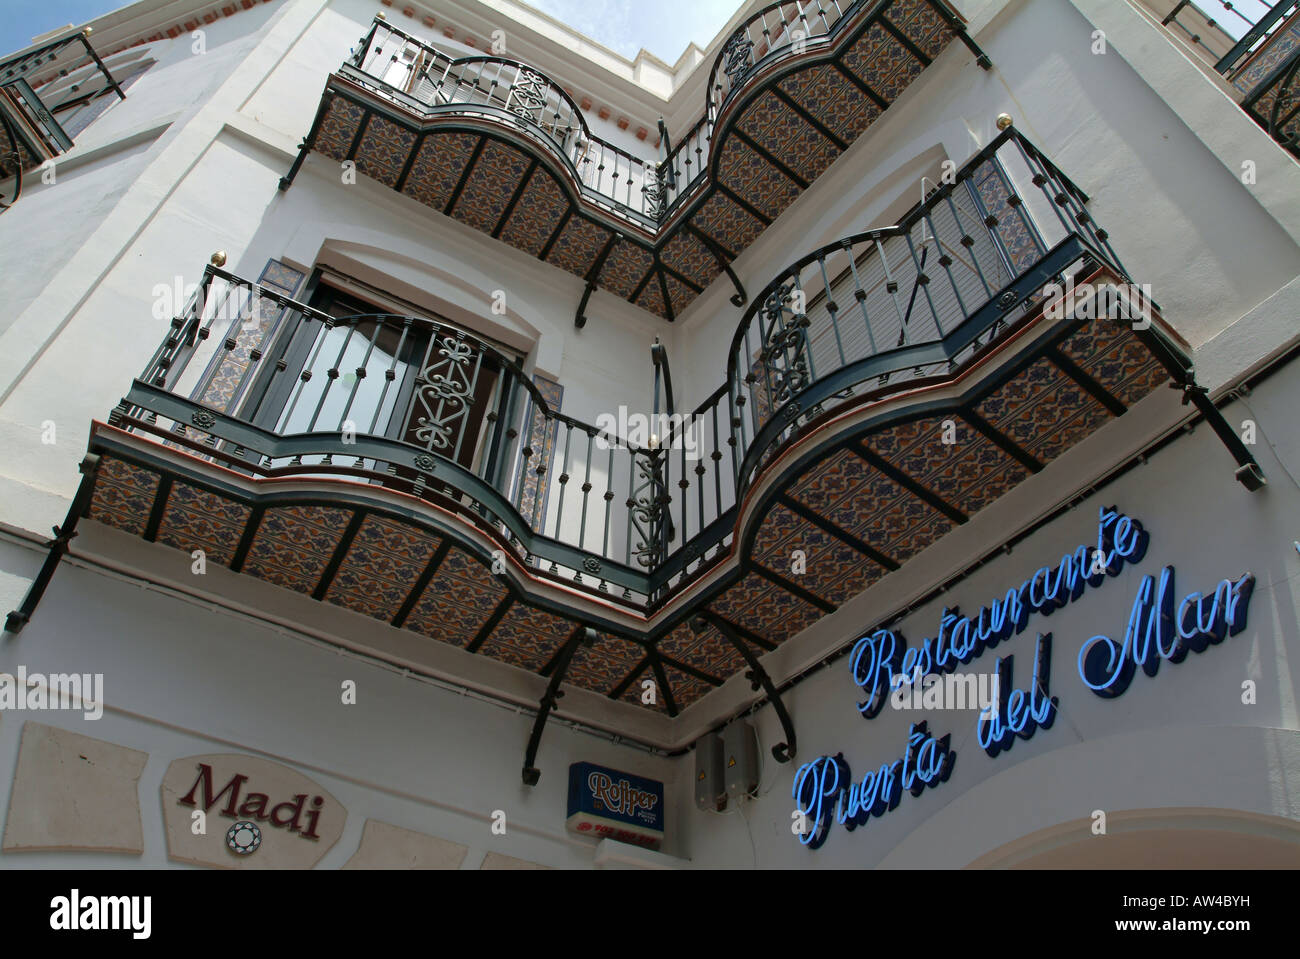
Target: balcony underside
[[785, 125], [860, 490]]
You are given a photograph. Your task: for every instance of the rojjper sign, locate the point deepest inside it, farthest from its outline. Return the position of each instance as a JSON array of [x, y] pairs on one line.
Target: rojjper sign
[[1161, 626]]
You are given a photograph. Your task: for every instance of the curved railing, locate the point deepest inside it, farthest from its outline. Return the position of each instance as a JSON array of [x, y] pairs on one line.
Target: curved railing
[[1262, 60], [272, 387], [783, 30], [860, 311], [428, 82], [788, 27]]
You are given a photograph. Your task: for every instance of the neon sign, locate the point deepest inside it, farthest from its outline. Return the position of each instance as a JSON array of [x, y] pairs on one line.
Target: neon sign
[[824, 790], [1155, 632], [879, 656], [824, 787]]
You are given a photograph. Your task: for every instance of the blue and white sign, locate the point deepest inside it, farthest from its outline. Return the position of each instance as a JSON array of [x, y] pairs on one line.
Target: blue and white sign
[[615, 805], [1159, 627]]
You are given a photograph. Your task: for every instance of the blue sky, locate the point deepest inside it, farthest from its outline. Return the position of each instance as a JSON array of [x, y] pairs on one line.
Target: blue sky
[[664, 27]]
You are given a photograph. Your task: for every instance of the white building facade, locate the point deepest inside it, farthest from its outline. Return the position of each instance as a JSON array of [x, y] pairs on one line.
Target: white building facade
[[327, 353]]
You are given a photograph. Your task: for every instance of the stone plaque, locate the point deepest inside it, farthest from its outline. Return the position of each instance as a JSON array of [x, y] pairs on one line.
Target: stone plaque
[[256, 814]]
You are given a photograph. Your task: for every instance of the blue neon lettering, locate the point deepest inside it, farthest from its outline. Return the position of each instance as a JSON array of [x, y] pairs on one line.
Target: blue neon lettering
[[1154, 631]]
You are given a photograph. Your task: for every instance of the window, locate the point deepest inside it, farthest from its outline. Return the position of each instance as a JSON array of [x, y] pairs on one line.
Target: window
[[416, 380]]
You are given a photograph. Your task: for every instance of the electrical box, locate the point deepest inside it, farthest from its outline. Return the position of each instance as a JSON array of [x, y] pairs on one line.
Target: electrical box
[[710, 789], [740, 760]]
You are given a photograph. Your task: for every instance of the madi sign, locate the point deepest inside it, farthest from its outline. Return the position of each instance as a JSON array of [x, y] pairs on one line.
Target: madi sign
[[614, 805], [241, 812], [1163, 625]]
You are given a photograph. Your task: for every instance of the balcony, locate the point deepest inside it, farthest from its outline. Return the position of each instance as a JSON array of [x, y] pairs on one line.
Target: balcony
[[1258, 53], [35, 89], [404, 469], [501, 147]]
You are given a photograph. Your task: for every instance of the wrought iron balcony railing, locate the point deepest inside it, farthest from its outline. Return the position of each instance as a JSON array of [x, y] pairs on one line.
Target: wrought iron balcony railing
[[427, 81], [271, 387], [35, 89], [1263, 63]]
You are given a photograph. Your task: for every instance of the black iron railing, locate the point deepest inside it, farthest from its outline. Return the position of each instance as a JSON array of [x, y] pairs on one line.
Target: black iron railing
[[1262, 59], [272, 387], [782, 30], [39, 86], [427, 81]]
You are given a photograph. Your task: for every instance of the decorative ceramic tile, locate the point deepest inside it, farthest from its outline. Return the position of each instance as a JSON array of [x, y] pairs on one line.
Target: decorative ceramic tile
[[709, 651], [383, 562], [196, 519], [294, 544], [691, 258], [1017, 237], [459, 599], [790, 138], [635, 691], [652, 297], [383, 151], [439, 164], [578, 245], [686, 688], [754, 179], [496, 175], [870, 506], [528, 638], [232, 366], [729, 224], [602, 667], [682, 295], [765, 609], [882, 63], [625, 267], [1043, 410], [338, 128], [828, 567], [826, 93], [282, 277], [918, 21], [1116, 359], [123, 495], [969, 472], [540, 439], [1269, 56], [536, 214]]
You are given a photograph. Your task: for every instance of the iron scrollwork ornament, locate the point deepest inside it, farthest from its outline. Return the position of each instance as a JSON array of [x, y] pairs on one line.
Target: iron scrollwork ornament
[[443, 394], [738, 56]]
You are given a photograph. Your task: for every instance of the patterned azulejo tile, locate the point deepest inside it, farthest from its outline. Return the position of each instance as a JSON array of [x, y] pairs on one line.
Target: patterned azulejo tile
[[459, 599], [960, 465], [383, 562], [496, 175], [765, 609], [1116, 359], [536, 214], [294, 544], [196, 519], [123, 495], [439, 164], [384, 150], [1043, 410], [527, 637]]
